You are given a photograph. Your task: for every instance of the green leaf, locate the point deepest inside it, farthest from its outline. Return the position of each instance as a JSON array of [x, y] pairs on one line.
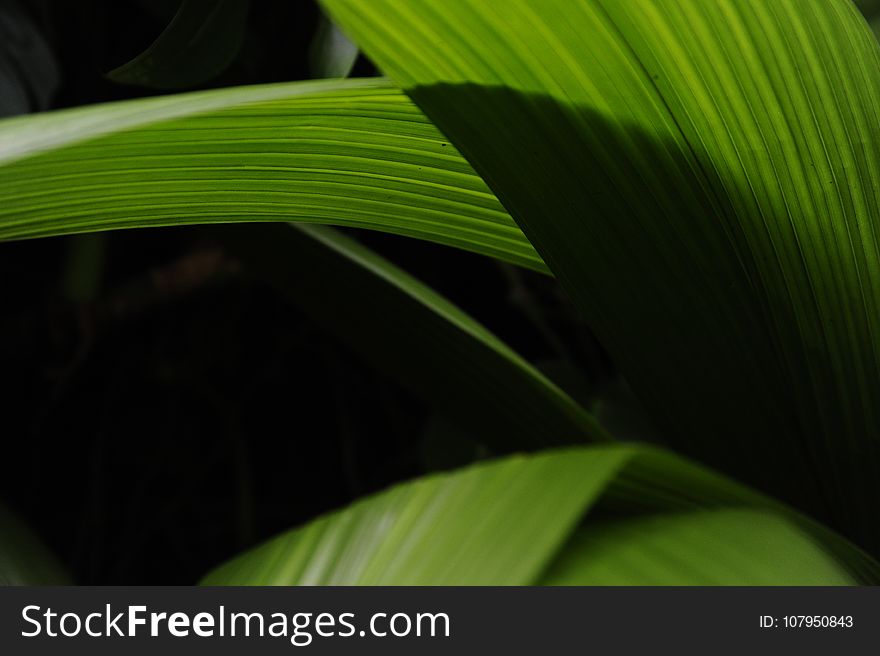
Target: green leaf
[[702, 179], [201, 41], [507, 522], [24, 560], [404, 328], [487, 524], [728, 546], [349, 152]]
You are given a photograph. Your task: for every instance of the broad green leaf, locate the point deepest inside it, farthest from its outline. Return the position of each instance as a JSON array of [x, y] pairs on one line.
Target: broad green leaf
[[201, 41], [507, 522], [487, 524], [24, 560], [701, 176], [404, 328], [728, 546], [348, 152]]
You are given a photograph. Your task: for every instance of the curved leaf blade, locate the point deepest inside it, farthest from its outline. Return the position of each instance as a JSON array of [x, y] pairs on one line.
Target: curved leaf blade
[[485, 525], [704, 547], [345, 152], [507, 522], [701, 177]]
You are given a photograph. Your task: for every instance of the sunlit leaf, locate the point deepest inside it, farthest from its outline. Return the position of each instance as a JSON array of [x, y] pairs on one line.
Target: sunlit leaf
[[509, 521], [348, 152], [702, 179], [728, 546]]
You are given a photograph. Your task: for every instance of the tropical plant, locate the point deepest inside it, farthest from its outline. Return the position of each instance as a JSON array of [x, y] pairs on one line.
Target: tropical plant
[[699, 176]]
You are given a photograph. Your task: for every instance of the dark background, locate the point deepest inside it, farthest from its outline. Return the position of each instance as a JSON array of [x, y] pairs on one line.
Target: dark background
[[162, 409]]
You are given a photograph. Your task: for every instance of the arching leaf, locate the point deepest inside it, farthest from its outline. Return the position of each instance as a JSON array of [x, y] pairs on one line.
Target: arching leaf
[[347, 152], [702, 179], [515, 521]]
